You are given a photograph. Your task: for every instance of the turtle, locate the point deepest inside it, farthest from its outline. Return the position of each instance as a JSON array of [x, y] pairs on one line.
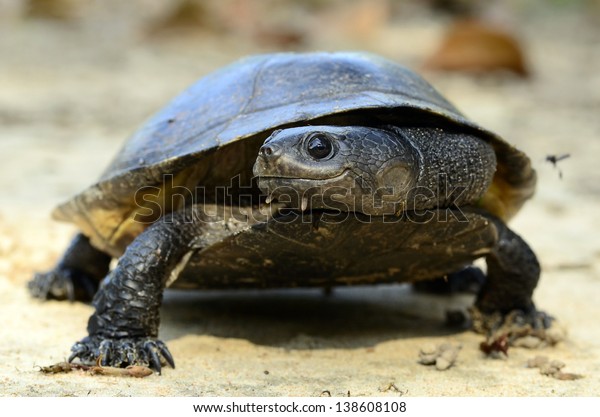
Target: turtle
[[294, 170]]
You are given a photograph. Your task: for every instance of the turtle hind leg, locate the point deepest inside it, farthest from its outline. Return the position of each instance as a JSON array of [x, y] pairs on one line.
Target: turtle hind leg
[[504, 307], [77, 275], [468, 280]]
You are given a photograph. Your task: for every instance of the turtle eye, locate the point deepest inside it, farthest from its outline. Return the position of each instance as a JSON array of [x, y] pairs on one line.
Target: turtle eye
[[319, 146]]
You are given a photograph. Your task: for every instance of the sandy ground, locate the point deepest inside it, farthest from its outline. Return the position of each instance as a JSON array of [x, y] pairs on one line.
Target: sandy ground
[[67, 101]]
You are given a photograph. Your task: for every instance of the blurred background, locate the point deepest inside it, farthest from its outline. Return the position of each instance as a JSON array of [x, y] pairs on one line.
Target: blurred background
[[78, 76]]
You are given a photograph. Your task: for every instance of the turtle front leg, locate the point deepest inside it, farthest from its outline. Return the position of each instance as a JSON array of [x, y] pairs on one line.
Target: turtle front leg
[[504, 306], [124, 328], [76, 276]]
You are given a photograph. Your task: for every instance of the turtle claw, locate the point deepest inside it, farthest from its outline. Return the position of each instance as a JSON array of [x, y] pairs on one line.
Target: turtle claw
[[121, 353], [153, 356], [62, 284], [167, 355], [105, 352], [515, 321], [79, 350], [512, 328]]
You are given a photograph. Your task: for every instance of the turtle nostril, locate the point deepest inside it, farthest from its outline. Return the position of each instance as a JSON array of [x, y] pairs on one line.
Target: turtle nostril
[[266, 151]]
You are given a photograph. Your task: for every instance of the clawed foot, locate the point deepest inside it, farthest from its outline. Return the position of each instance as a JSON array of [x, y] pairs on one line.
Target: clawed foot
[[121, 353], [531, 328], [63, 284]]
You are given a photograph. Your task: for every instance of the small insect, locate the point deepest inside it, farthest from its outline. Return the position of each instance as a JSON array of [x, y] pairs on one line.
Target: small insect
[[554, 159]]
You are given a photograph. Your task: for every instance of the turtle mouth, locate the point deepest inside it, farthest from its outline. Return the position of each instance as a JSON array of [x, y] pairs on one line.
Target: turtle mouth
[[261, 172], [266, 182], [306, 179], [302, 193]]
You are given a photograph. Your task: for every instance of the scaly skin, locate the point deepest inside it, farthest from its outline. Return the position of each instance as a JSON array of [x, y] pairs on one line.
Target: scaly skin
[[124, 328], [512, 275]]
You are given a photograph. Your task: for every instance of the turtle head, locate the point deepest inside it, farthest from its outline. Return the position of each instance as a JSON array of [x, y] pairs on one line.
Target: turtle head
[[348, 168]]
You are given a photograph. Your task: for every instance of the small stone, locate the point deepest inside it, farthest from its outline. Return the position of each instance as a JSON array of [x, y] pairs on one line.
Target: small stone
[[557, 364], [529, 342], [450, 355], [552, 368], [428, 349], [442, 356], [537, 362], [445, 346], [428, 354], [428, 359], [548, 369], [441, 364]]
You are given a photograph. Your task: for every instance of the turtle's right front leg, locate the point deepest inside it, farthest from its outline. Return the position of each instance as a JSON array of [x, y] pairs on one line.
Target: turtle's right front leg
[[124, 328]]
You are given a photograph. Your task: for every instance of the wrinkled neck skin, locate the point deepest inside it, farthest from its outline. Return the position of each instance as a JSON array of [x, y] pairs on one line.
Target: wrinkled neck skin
[[454, 169], [375, 171]]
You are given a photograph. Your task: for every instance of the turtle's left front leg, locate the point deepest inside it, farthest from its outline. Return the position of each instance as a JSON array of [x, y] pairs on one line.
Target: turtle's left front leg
[[504, 306], [123, 331]]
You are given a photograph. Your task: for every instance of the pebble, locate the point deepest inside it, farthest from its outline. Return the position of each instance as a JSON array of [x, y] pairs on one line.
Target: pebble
[[443, 356], [537, 362], [552, 368]]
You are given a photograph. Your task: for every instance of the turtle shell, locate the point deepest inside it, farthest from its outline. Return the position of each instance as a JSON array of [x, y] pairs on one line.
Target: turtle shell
[[211, 132]]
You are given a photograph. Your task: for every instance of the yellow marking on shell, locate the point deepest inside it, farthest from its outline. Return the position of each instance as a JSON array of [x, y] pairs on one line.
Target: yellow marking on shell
[[161, 196]]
